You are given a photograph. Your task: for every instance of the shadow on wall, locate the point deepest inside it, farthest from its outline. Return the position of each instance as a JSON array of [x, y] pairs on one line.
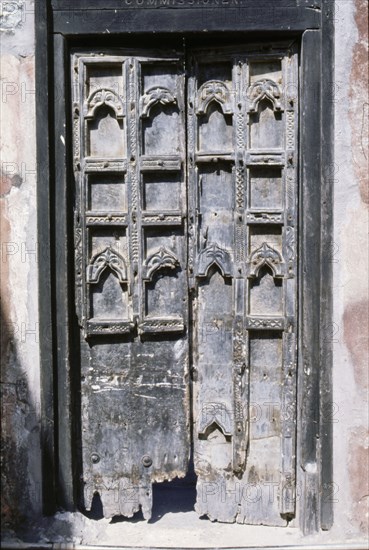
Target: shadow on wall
[[21, 490], [20, 435]]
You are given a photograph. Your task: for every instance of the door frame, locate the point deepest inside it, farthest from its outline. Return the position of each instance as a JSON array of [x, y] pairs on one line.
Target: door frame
[[60, 24]]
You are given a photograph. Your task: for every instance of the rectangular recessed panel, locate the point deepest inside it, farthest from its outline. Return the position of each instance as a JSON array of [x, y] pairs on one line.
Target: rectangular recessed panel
[[269, 234], [266, 294], [107, 192], [160, 110], [101, 239], [105, 134], [265, 97], [215, 130], [168, 238], [265, 349], [109, 298], [161, 191], [104, 77], [163, 295], [216, 200], [265, 187], [266, 127], [215, 71], [260, 70], [160, 74], [164, 273]]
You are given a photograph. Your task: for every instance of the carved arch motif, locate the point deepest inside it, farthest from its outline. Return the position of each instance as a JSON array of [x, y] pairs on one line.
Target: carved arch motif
[[159, 260], [102, 260], [214, 255], [265, 255], [157, 94], [214, 90], [104, 96], [217, 414], [264, 89]]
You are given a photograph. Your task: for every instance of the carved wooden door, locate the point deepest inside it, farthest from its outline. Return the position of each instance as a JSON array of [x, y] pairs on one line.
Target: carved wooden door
[[185, 261]]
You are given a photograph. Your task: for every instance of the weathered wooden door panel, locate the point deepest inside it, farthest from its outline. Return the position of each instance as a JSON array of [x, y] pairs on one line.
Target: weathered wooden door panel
[[131, 283], [242, 183], [188, 212]]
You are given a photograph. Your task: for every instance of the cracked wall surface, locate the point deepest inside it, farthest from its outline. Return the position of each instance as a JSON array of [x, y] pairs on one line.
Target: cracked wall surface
[[20, 373]]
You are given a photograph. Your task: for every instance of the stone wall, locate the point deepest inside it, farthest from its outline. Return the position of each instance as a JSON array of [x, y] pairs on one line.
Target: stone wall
[[20, 375]]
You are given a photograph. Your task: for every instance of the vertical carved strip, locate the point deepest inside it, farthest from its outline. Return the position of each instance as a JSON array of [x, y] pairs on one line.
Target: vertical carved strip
[[191, 178], [240, 130], [240, 145], [239, 137], [240, 243], [290, 251], [131, 79], [288, 412], [239, 357], [78, 263], [79, 231], [76, 138], [240, 426], [290, 188], [133, 226], [132, 165], [288, 416], [240, 188], [290, 130]]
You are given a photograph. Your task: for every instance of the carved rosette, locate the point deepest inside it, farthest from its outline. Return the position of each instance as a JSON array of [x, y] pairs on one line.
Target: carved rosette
[[214, 90], [155, 95], [265, 255], [264, 89]]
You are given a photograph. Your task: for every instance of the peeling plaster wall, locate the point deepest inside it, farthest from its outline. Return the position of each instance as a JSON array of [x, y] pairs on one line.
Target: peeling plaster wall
[[350, 267], [20, 376]]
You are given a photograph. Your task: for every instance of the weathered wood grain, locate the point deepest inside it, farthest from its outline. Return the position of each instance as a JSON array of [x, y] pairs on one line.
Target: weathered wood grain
[[245, 308], [130, 276], [139, 181]]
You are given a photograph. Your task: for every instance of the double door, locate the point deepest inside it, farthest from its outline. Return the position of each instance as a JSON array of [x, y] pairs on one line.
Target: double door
[[185, 169]]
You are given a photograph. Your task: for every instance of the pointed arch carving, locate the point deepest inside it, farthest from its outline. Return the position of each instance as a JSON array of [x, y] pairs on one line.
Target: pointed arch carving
[[107, 97], [214, 90], [264, 88], [217, 415], [267, 256], [109, 258], [152, 96], [161, 259], [214, 255]]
